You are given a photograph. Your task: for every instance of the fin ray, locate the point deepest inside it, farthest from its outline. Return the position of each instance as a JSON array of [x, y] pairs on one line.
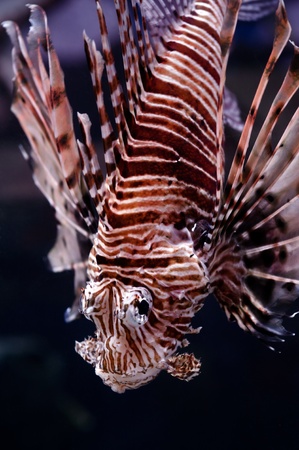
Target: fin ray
[[254, 263]]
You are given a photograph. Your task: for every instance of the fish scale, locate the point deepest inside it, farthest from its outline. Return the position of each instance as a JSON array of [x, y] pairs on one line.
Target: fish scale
[[153, 237]]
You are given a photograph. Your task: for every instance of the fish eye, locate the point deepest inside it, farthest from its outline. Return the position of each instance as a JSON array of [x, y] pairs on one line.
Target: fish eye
[[137, 304], [142, 309]]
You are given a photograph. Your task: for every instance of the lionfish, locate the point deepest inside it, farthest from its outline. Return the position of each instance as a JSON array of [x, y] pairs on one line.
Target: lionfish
[[160, 227]]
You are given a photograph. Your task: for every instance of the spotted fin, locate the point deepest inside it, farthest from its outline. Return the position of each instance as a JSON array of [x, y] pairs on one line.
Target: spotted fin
[[255, 261]]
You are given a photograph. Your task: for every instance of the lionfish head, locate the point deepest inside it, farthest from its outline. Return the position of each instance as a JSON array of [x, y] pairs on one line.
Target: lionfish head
[[137, 334]]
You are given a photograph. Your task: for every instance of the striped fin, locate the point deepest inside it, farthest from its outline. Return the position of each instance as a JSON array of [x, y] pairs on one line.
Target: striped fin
[[62, 124], [116, 92], [249, 10], [96, 67], [41, 100], [236, 173], [90, 165], [255, 264], [226, 38], [42, 109]]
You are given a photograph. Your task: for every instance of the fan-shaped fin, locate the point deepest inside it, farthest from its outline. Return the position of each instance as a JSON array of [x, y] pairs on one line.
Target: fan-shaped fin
[[96, 67], [42, 108], [255, 262]]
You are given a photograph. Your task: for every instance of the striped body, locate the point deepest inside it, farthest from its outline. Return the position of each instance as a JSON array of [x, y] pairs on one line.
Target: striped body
[[164, 187], [167, 149], [159, 232]]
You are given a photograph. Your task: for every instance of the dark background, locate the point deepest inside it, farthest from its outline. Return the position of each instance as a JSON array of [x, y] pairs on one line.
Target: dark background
[[247, 396]]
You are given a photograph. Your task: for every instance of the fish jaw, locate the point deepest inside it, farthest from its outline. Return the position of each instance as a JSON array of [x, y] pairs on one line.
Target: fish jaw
[[183, 366]]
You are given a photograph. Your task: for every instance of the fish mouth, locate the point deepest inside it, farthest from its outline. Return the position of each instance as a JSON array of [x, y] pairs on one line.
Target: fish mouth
[[120, 382], [117, 377], [184, 366]]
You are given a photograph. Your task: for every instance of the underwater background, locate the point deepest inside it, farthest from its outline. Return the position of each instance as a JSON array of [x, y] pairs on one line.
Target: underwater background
[[246, 397]]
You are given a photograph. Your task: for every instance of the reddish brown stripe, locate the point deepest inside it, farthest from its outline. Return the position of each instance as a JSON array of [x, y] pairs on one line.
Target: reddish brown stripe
[[164, 135], [191, 175], [202, 25], [140, 262], [201, 61], [175, 89]]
